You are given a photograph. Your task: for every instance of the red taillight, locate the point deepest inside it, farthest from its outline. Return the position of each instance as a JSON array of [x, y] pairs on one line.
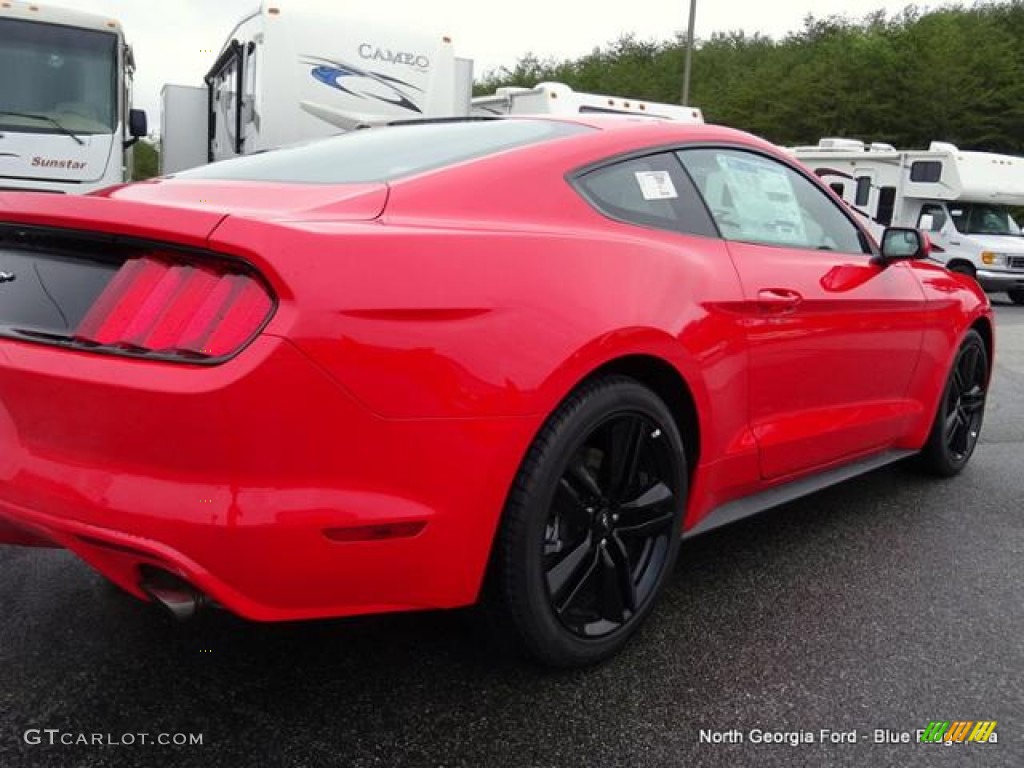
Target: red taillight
[[155, 305]]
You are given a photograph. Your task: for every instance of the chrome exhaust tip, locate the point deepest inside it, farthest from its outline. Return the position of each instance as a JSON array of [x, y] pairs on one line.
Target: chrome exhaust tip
[[172, 592]]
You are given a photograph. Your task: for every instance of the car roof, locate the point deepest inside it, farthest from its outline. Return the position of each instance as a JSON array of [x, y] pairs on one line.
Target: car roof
[[609, 138], [623, 124], [647, 128]]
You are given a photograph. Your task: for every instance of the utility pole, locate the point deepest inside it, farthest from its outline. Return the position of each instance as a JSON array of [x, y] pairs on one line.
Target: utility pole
[[689, 53]]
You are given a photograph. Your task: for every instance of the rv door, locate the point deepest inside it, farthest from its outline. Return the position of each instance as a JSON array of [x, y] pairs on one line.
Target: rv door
[[226, 84], [250, 117]]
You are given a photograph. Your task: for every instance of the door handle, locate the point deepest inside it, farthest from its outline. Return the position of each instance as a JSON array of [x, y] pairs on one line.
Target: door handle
[[778, 300]]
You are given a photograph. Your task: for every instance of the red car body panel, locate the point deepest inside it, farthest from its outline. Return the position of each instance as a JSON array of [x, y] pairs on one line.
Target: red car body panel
[[424, 330], [354, 202], [95, 214]]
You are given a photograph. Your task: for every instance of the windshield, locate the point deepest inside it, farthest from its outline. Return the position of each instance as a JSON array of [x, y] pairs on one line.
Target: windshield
[[983, 219], [54, 73], [383, 154]]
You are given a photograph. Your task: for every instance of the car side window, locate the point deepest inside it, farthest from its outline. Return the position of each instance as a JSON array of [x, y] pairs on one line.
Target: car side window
[[651, 191], [759, 200]]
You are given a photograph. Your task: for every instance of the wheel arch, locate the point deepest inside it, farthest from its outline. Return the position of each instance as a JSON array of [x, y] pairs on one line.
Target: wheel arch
[[933, 382], [967, 266], [661, 377], [983, 325], [658, 360], [665, 380]]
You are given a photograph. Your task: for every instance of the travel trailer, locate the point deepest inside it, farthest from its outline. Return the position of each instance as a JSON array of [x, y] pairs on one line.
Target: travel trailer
[[560, 99], [962, 199], [290, 72], [66, 122]]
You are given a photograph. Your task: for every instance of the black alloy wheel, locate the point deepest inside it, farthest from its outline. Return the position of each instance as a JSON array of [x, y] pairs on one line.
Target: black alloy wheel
[[957, 425], [609, 525], [1016, 295], [592, 526]]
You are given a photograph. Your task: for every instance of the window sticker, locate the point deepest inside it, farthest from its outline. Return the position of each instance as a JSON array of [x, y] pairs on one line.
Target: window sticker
[[765, 200], [656, 185]]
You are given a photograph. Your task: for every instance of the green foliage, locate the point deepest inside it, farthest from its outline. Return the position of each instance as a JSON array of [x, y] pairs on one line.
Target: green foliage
[[146, 161], [954, 74]]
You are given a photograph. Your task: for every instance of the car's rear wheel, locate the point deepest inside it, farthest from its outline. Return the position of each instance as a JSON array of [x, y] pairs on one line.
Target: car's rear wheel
[[591, 529], [1016, 296], [961, 411]]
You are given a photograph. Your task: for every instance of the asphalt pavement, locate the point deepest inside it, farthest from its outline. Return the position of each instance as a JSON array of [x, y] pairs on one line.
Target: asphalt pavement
[[864, 612]]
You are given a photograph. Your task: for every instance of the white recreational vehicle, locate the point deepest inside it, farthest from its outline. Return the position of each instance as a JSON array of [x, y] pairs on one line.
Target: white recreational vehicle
[[962, 199], [291, 72], [560, 99], [66, 122]]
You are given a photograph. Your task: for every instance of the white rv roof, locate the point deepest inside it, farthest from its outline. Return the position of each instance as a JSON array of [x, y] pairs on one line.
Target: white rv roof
[[48, 14], [986, 176], [967, 175], [560, 99]]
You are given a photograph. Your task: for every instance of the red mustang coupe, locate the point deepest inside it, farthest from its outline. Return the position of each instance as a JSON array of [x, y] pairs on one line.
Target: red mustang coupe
[[381, 371]]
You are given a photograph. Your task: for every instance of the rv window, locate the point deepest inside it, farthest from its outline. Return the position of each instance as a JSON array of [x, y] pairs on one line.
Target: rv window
[[249, 97], [886, 205], [932, 218], [987, 219], [863, 191], [838, 188], [225, 98], [926, 171], [650, 191], [56, 74], [384, 154], [983, 219]]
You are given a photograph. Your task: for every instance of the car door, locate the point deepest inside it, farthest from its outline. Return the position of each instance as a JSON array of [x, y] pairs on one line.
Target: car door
[[833, 338]]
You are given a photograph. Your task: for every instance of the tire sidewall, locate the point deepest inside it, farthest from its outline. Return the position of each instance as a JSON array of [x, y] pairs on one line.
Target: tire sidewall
[[938, 450], [572, 423]]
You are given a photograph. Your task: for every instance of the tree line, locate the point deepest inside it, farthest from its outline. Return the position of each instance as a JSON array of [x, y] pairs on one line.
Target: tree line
[[953, 74]]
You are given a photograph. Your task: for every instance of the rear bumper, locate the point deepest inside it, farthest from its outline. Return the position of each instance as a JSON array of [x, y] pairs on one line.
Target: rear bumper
[[993, 280], [252, 480]]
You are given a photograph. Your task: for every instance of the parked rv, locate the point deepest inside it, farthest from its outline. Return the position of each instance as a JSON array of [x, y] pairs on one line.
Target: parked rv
[[962, 199], [66, 122], [290, 72], [560, 99]]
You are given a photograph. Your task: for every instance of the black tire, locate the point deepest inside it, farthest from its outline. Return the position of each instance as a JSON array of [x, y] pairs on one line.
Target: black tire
[[1016, 295], [591, 529], [961, 410]]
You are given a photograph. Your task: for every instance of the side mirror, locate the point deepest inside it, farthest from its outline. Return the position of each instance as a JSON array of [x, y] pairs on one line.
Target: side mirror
[[138, 126], [903, 244]]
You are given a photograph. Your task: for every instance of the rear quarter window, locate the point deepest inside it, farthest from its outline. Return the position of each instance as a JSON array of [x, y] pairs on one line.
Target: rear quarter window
[[651, 191]]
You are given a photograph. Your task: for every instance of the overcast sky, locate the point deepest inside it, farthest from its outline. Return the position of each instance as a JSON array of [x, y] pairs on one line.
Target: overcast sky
[[173, 39]]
